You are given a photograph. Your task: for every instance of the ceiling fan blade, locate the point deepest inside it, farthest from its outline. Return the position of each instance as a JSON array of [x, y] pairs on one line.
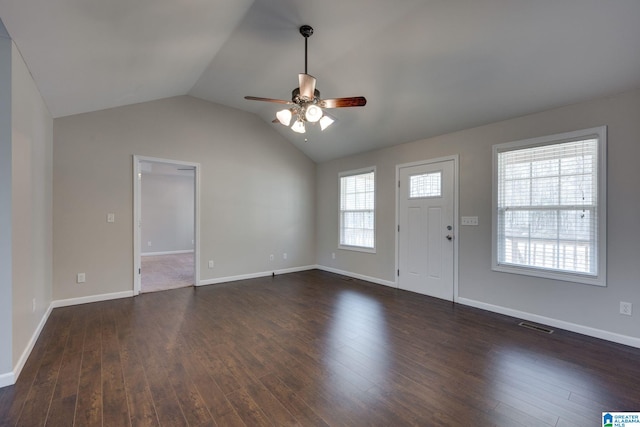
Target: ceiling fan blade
[[354, 101], [307, 85], [278, 101]]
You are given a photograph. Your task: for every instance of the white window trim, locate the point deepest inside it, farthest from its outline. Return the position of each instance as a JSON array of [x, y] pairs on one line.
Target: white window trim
[[599, 280], [375, 205]]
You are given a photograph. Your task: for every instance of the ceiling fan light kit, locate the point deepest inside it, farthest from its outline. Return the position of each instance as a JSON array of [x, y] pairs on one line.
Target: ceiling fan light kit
[[284, 116], [306, 104], [313, 113]]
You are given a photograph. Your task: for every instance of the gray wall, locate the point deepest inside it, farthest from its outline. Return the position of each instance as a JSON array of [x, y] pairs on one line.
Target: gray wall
[[257, 191], [6, 362], [167, 213], [32, 138], [26, 136], [588, 306]]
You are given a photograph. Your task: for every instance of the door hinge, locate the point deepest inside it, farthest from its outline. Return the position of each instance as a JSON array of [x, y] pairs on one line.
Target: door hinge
[[139, 271], [398, 272], [398, 228], [398, 184]]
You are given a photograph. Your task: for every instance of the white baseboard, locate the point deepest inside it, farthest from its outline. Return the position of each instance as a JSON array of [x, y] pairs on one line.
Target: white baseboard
[[7, 379], [358, 276], [573, 327], [255, 275], [10, 377], [91, 298], [189, 251]]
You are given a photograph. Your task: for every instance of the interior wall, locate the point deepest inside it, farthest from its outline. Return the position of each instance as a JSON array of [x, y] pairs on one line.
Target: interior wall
[[257, 191], [588, 306], [32, 138], [167, 203], [6, 348]]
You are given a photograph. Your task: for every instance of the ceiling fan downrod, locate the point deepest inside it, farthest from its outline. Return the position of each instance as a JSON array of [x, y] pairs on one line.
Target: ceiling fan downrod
[[306, 31]]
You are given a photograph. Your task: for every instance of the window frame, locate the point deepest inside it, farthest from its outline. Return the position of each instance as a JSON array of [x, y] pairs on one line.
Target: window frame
[[599, 279], [345, 174]]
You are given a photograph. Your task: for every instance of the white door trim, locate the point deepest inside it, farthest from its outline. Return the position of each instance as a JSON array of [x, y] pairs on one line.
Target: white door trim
[[137, 216], [456, 191]]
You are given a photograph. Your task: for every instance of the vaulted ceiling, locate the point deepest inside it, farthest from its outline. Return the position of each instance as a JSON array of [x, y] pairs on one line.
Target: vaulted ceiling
[[426, 67]]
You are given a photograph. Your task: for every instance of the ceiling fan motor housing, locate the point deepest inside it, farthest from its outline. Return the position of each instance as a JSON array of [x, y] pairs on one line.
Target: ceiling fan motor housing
[[296, 98]]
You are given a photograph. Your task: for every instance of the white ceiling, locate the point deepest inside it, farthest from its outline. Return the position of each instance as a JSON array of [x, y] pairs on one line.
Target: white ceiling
[[426, 67]]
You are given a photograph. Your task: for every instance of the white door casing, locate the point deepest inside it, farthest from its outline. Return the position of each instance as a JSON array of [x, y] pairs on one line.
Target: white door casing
[[426, 232]]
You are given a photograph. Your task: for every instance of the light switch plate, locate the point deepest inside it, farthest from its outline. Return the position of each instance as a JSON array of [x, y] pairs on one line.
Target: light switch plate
[[469, 220], [111, 217]]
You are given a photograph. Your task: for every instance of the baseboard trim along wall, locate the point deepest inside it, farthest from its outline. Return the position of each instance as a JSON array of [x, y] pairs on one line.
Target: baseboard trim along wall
[[13, 376], [189, 251], [573, 327], [217, 280], [358, 276], [91, 298], [7, 379]]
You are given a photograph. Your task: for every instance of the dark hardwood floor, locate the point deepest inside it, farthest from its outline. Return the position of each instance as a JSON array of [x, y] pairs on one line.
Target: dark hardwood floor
[[311, 349]]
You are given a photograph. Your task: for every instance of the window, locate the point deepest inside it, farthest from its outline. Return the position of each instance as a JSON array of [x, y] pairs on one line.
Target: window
[[357, 210], [549, 199], [425, 185]]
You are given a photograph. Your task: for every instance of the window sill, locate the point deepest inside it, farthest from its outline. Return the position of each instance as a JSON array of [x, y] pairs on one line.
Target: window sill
[[546, 274], [357, 249]]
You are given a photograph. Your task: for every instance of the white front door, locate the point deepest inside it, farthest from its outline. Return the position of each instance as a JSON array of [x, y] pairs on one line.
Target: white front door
[[426, 229]]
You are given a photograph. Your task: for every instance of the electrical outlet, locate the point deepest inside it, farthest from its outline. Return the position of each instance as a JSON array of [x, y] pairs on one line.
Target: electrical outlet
[[33, 305], [284, 255], [625, 308], [149, 243], [271, 257], [333, 255], [81, 278], [211, 264]]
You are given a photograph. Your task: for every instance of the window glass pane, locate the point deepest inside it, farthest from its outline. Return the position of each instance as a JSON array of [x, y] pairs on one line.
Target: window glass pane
[[425, 185], [544, 224], [576, 225], [545, 191], [357, 204], [546, 167], [576, 190], [516, 224], [517, 170], [547, 203], [517, 192]]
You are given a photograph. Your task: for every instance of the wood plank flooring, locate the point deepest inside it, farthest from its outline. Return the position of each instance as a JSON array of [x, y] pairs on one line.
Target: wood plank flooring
[[311, 349]]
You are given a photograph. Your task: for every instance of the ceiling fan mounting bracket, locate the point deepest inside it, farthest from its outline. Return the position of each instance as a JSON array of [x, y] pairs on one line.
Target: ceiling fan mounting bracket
[[306, 31]]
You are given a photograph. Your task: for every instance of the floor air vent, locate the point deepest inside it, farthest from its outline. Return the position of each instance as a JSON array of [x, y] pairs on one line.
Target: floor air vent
[[535, 327]]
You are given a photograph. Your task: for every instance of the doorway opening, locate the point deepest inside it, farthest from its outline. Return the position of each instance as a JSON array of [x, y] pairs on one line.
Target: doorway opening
[[166, 205]]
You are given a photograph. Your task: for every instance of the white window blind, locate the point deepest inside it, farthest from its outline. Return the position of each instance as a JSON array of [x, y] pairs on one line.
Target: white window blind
[[548, 206], [357, 209]]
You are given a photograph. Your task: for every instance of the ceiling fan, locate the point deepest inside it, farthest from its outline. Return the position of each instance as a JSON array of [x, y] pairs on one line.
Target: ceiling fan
[[306, 106]]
